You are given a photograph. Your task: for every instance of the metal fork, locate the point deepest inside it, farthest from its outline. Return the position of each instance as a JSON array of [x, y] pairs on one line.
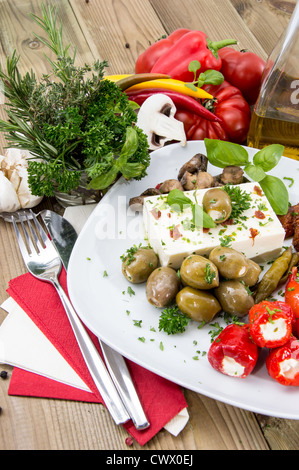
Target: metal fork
[[43, 262]]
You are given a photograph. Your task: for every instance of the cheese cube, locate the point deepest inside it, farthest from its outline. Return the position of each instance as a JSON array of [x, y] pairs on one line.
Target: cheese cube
[[257, 233]]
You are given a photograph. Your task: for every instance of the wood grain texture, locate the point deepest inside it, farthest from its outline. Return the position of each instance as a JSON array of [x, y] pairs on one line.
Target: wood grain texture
[[118, 32]]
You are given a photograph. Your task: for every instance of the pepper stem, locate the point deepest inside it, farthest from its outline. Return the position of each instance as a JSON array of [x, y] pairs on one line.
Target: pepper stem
[[215, 46]]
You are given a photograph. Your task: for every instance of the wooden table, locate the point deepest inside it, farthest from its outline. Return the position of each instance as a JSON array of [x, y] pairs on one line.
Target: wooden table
[[119, 31]]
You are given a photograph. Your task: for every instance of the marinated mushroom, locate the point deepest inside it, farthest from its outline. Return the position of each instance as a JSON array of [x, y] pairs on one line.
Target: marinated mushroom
[[188, 181], [232, 175], [217, 204], [198, 305], [162, 286], [204, 180], [138, 264], [136, 203], [199, 272], [170, 184], [234, 297], [198, 162], [231, 263]]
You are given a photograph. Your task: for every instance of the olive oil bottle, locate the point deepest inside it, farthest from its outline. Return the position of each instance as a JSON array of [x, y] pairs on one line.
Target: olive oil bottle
[[275, 118]]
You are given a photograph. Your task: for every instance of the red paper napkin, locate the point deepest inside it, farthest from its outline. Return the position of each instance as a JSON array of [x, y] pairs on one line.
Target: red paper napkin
[[162, 400]]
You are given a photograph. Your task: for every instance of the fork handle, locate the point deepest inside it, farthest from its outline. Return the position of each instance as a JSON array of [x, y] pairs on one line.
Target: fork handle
[[93, 361]]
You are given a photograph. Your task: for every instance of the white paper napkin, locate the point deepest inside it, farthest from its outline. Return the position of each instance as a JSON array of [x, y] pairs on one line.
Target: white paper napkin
[[23, 345]]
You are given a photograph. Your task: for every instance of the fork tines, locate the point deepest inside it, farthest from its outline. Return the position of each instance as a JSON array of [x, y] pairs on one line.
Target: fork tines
[[33, 238]]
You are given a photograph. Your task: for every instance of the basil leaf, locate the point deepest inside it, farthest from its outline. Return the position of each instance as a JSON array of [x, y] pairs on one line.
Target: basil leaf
[[177, 197], [132, 170], [221, 153], [191, 86], [129, 148], [269, 156], [276, 193], [194, 65], [255, 172], [213, 77], [201, 218], [104, 180]]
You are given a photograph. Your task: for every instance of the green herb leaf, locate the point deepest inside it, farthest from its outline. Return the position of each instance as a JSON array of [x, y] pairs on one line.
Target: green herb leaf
[[268, 157], [276, 193], [105, 180], [201, 218], [255, 172], [176, 197], [213, 77], [221, 153], [194, 66]]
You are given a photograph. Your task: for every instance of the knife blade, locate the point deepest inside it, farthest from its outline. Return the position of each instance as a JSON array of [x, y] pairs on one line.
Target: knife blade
[[64, 237]]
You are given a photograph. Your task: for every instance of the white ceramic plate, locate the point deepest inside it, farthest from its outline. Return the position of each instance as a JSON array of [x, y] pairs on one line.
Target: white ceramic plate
[[106, 308]]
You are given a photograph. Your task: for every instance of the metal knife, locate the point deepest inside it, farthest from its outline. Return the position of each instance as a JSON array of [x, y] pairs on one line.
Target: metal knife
[[64, 236]]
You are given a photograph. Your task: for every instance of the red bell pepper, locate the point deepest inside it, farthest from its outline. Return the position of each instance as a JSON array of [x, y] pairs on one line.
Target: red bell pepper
[[149, 57], [271, 323], [233, 352], [283, 363], [243, 70], [194, 45], [230, 106], [292, 297], [182, 102]]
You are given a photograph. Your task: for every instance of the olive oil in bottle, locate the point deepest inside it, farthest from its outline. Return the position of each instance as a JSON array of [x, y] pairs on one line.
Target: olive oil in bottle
[[275, 118]]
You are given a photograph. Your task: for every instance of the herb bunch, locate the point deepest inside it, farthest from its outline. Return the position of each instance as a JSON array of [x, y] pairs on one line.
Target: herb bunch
[[73, 120]]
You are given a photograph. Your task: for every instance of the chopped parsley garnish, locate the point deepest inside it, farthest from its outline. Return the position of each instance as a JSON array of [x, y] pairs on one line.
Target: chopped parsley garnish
[[209, 275]]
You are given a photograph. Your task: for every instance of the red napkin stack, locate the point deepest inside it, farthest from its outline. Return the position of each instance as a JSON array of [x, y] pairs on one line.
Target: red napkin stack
[[162, 400]]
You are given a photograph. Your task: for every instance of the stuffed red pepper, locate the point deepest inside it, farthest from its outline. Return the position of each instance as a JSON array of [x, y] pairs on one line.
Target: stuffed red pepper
[[283, 363], [271, 323], [233, 352]]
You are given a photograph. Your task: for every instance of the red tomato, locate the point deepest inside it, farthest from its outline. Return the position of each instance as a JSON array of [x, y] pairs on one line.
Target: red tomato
[[243, 70], [230, 106]]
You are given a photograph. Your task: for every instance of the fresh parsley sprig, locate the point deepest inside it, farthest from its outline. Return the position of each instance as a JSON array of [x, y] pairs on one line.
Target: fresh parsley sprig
[[173, 321]]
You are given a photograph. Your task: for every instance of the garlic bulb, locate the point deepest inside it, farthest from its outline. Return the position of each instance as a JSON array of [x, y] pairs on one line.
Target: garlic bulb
[[14, 189]]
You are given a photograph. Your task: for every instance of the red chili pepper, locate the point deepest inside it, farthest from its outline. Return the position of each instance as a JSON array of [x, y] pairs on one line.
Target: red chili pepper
[[182, 102], [230, 106], [233, 352], [271, 323], [149, 57], [292, 297], [243, 70], [193, 45], [283, 363]]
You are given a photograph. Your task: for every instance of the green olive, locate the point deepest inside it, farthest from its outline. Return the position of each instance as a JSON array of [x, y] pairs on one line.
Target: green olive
[[198, 305], [162, 286], [253, 273], [198, 272], [234, 297], [231, 263], [217, 204], [139, 265]]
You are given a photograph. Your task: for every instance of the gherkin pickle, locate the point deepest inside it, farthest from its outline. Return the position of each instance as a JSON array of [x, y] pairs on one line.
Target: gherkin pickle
[[217, 204], [162, 286], [197, 304], [199, 272], [138, 264]]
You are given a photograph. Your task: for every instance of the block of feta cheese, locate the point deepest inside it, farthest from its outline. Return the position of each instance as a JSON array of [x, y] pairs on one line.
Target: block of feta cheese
[[257, 233]]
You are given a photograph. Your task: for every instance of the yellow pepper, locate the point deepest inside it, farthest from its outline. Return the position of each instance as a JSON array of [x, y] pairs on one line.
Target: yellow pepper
[[171, 84], [116, 78]]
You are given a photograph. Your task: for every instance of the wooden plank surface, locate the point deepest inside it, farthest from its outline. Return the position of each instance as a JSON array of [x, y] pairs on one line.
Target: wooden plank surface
[[119, 31]]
